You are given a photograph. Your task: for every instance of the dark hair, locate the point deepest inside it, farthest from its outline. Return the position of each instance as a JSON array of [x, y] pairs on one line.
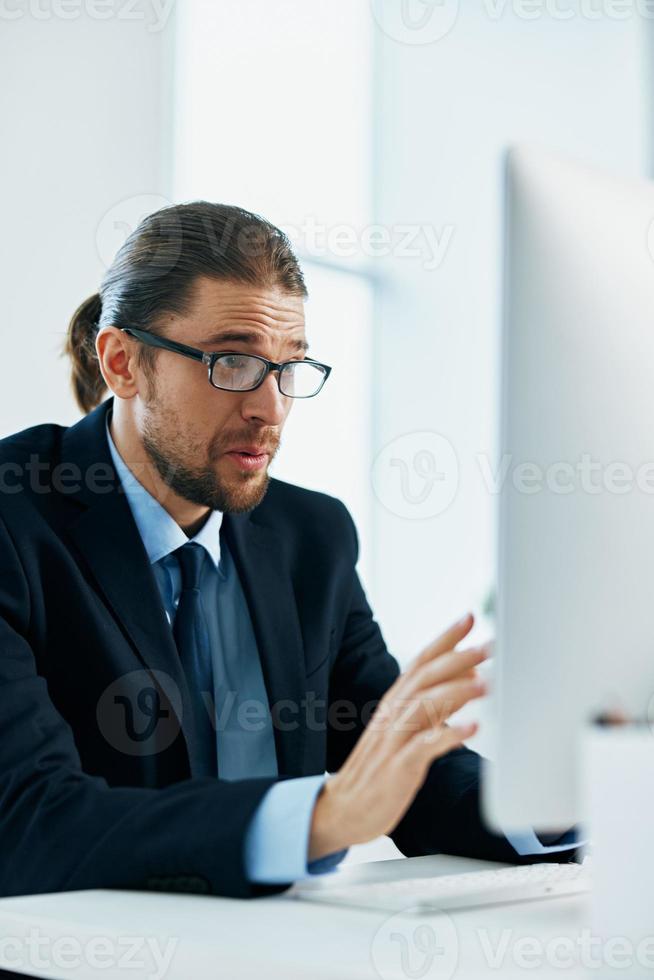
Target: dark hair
[[155, 269]]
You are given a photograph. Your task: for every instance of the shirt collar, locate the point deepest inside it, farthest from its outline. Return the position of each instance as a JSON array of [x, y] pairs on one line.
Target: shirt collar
[[160, 533]]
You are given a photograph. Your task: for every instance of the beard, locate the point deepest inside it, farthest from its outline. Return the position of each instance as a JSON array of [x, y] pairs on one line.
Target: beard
[[173, 455]]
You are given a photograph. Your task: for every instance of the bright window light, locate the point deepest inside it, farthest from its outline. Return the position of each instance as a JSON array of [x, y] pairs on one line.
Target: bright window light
[[272, 112]]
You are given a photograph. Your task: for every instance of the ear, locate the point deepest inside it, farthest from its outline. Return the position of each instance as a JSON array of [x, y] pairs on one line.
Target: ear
[[118, 359]]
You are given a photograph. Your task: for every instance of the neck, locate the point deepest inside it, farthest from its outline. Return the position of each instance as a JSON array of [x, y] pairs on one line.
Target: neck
[[190, 517]]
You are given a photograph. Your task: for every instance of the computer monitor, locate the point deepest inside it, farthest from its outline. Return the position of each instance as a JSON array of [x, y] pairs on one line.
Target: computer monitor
[[575, 589]]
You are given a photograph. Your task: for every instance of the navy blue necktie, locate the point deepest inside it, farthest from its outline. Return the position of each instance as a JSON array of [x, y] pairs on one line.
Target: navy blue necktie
[[192, 638]]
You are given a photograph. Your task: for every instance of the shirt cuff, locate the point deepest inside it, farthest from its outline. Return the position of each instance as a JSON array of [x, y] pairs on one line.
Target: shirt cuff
[[526, 842], [277, 840]]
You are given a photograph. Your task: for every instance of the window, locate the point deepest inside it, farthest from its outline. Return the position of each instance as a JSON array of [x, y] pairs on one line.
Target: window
[[272, 112]]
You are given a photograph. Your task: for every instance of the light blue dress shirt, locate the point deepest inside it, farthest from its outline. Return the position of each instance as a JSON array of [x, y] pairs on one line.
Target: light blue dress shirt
[[276, 843], [526, 842]]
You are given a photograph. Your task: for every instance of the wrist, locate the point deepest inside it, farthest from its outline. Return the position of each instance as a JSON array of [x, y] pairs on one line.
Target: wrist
[[328, 825]]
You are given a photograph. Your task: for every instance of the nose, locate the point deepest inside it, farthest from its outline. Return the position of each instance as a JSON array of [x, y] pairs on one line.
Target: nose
[[266, 404]]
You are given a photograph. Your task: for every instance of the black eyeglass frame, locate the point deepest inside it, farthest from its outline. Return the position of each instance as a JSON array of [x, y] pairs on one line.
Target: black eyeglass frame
[[210, 358]]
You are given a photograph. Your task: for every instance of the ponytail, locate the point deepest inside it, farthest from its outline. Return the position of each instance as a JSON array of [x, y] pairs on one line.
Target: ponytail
[[86, 379]]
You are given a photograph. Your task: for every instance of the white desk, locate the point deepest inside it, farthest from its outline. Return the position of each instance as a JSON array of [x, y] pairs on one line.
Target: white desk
[[279, 937]]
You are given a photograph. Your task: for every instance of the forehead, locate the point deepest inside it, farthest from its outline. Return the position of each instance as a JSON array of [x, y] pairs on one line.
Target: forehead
[[215, 305]]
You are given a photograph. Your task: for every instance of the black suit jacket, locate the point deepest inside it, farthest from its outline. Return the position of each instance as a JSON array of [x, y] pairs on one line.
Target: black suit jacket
[[83, 636]]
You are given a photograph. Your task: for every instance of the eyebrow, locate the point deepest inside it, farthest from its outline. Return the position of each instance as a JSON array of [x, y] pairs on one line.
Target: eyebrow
[[247, 337]]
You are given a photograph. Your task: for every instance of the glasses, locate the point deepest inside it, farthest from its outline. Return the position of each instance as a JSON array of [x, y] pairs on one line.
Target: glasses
[[232, 371]]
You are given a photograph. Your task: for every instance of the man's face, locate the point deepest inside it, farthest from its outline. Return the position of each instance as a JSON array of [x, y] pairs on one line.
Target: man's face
[[194, 433]]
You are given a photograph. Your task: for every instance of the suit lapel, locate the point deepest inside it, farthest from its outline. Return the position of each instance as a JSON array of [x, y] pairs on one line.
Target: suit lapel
[[258, 553], [106, 536]]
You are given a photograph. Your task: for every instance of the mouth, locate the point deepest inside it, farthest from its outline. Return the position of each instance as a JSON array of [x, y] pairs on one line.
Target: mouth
[[248, 458]]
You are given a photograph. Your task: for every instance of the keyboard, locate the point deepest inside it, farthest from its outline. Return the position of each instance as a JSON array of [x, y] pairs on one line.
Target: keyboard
[[472, 889]]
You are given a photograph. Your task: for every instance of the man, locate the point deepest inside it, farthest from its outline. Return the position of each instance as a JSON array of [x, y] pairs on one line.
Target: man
[[156, 586]]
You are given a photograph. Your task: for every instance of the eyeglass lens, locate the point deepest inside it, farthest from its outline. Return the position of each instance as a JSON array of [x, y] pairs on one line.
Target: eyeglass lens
[[240, 372]]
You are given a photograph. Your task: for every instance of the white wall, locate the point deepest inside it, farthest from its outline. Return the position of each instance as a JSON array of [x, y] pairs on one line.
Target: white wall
[[84, 104], [445, 110]]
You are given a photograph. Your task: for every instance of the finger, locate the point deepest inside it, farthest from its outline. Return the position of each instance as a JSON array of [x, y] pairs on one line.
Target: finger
[[420, 751], [455, 733], [455, 665], [432, 707], [451, 665], [446, 641], [445, 699]]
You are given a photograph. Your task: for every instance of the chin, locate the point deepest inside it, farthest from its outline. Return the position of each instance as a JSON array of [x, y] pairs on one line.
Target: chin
[[243, 496]]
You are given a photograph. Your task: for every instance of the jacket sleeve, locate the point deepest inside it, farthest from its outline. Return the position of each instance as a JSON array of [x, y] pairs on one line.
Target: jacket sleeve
[[62, 829], [446, 815]]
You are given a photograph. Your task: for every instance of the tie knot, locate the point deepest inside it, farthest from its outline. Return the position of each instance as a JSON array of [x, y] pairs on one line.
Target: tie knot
[[190, 557]]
